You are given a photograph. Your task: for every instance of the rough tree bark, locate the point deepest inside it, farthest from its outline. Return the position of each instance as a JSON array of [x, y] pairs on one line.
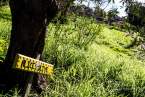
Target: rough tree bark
[[29, 21]]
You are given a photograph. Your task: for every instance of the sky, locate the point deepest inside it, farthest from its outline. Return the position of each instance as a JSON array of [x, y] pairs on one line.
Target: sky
[[120, 7], [117, 5]]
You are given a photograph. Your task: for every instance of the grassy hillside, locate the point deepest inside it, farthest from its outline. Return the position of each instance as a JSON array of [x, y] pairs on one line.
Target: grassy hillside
[[90, 59]]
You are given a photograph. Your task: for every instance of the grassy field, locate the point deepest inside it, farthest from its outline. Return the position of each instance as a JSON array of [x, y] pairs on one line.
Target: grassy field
[[90, 59]]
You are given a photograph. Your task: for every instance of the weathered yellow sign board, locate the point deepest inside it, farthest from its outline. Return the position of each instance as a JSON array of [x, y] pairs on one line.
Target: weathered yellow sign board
[[32, 65]]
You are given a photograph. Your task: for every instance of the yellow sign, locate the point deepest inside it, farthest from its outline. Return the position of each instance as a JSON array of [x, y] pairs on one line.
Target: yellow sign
[[32, 65]]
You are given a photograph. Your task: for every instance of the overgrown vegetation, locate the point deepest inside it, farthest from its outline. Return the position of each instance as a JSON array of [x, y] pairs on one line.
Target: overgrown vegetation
[[90, 59]]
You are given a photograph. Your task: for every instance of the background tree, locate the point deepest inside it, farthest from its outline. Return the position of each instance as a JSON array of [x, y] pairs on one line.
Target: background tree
[[111, 15], [99, 13], [136, 15]]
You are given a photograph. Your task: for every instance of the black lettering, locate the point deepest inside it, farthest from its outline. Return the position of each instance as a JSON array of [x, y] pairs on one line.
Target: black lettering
[[32, 66], [39, 69], [43, 70], [29, 63], [23, 64], [18, 60], [46, 68]]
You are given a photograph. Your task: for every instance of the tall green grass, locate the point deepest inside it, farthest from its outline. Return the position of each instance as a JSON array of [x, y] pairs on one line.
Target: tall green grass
[[5, 26], [101, 68], [90, 60]]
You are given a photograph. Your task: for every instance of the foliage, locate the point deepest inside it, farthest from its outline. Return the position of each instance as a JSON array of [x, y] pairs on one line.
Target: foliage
[[5, 25], [103, 67], [112, 14], [136, 14], [3, 2], [99, 12], [71, 37]]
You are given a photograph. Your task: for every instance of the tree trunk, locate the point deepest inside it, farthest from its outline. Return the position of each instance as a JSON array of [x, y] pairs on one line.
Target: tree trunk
[[29, 21]]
